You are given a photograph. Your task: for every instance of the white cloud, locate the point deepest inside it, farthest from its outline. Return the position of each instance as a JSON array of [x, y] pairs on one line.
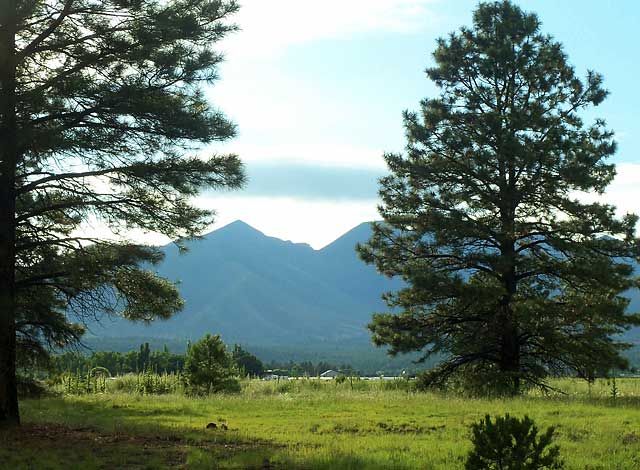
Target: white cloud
[[284, 112], [269, 27], [624, 191], [317, 223], [277, 101], [281, 117]]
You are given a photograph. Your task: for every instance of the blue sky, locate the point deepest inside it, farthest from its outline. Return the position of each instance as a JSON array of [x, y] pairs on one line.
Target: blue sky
[[317, 90]]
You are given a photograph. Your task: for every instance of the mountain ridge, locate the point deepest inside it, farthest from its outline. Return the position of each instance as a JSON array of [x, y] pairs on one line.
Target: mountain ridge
[[256, 289], [259, 290]]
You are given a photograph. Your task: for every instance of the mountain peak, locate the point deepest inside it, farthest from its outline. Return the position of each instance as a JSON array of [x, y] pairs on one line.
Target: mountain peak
[[238, 226]]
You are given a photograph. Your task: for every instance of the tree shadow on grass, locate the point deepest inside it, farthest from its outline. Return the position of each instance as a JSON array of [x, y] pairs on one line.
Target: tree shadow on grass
[[53, 446], [103, 434], [61, 433]]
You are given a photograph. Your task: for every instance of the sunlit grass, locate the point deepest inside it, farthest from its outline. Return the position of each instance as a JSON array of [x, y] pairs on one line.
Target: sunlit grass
[[324, 425]]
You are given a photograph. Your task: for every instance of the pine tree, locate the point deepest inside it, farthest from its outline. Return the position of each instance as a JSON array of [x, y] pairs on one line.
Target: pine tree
[[102, 109], [510, 277], [210, 368]]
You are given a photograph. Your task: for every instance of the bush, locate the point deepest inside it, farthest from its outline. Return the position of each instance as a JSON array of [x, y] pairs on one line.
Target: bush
[[147, 383], [209, 368], [511, 444], [80, 384]]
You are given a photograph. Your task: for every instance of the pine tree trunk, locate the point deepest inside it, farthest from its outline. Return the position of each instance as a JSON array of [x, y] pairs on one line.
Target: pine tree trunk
[[509, 359], [507, 322], [9, 412], [510, 354]]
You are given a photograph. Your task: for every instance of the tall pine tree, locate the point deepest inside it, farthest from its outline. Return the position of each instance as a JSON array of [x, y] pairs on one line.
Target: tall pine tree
[[510, 277], [101, 111]]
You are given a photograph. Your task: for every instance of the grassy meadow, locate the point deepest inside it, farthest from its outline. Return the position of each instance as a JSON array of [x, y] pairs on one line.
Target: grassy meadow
[[311, 424]]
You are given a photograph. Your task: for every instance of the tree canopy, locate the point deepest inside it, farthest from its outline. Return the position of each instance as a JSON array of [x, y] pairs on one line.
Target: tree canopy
[[209, 367], [102, 111], [510, 275]]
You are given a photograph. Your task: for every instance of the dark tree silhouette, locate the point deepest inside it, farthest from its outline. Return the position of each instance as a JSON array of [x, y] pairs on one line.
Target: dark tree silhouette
[[101, 103], [510, 276]]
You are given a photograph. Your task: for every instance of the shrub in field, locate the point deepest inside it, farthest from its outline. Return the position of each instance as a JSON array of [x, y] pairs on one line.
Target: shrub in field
[[209, 368], [79, 383], [98, 380], [510, 443], [153, 383], [147, 383]]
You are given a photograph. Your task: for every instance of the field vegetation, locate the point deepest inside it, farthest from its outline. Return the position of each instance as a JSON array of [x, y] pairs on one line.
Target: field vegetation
[[311, 424]]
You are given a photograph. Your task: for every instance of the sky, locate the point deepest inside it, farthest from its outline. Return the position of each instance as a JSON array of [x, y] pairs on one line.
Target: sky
[[317, 91]]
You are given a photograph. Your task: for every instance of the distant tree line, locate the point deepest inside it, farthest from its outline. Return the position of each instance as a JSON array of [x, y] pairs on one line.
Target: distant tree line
[[119, 363]]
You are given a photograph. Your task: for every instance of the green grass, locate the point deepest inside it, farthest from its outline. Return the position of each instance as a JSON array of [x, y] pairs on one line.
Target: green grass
[[317, 425]]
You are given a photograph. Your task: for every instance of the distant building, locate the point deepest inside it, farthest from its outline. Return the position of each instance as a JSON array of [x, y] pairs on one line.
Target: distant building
[[273, 375], [329, 374]]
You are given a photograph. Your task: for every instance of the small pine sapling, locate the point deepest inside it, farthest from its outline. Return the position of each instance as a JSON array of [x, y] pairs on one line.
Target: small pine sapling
[[510, 443]]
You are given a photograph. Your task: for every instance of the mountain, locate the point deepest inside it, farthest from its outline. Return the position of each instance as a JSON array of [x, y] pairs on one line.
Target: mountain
[[259, 290], [264, 292]]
